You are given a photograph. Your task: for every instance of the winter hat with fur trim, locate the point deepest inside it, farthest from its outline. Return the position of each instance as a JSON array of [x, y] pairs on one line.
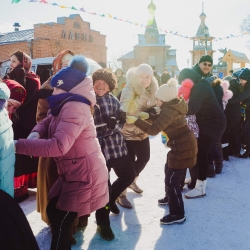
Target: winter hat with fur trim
[[67, 78], [245, 74], [167, 92], [144, 69], [185, 89]]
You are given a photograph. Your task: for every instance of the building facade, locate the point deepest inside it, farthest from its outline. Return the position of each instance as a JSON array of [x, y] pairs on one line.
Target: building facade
[[48, 39], [151, 49]]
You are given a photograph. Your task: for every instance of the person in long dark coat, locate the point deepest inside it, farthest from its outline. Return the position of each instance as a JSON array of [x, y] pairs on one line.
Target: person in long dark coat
[[211, 121]]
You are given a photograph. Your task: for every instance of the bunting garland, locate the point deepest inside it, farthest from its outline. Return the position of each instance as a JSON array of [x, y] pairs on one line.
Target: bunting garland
[[128, 21]]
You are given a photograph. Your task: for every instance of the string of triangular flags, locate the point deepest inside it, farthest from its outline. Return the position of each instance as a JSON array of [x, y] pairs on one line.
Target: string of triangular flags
[[175, 33]]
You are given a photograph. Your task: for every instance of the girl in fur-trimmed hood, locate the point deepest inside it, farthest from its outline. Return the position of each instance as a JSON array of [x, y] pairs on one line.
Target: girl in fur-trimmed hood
[[138, 95]]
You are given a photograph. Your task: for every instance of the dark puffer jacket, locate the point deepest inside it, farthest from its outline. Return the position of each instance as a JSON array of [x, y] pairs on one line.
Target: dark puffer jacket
[[209, 115], [182, 141], [232, 110]]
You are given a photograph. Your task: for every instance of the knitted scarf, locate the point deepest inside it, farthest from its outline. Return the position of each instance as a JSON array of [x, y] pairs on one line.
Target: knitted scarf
[[56, 102]]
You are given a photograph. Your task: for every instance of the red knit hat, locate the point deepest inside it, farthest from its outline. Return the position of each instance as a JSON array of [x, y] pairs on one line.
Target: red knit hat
[[17, 91], [185, 88]]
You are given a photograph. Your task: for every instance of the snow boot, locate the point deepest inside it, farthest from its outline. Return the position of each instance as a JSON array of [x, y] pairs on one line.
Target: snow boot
[[210, 171], [163, 201], [105, 232], [123, 201], [171, 219], [135, 187], [218, 165], [114, 209], [198, 191], [245, 155]]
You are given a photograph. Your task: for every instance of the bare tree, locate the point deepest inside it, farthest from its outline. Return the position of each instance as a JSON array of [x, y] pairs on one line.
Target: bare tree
[[245, 27], [113, 62]]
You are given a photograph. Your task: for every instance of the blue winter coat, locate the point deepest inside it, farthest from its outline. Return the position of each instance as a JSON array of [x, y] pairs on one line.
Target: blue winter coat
[[7, 153]]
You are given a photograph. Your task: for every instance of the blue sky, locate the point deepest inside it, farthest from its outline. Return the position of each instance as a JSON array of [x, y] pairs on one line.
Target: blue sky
[[223, 18]]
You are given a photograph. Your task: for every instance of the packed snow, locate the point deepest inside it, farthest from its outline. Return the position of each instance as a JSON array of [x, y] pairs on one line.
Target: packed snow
[[218, 221]]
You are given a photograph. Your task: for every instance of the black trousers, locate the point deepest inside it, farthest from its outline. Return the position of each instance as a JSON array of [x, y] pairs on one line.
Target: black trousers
[[231, 136], [60, 224], [139, 152], [205, 143], [175, 201], [124, 169]]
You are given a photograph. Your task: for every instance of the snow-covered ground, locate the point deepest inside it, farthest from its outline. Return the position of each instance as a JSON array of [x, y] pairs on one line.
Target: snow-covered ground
[[219, 221]]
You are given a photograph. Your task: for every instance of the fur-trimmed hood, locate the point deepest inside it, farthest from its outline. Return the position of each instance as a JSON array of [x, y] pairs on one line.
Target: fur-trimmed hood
[[138, 88]]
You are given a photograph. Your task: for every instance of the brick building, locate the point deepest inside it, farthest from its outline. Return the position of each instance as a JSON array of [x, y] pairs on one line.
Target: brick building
[[151, 49], [48, 39]]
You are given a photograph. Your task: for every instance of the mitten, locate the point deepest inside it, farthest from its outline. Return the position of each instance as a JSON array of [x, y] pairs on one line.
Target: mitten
[[111, 122], [151, 110], [33, 136], [131, 119], [122, 117], [143, 115]]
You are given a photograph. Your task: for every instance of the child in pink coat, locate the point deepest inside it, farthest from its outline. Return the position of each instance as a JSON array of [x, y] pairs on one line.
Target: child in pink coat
[[68, 135]]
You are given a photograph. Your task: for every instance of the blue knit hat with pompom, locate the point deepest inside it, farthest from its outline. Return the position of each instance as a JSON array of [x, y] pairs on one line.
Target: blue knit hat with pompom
[[67, 78]]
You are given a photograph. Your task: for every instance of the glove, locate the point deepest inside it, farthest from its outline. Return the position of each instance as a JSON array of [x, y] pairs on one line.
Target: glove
[[131, 119], [152, 111], [33, 136], [122, 117], [143, 115], [111, 122]]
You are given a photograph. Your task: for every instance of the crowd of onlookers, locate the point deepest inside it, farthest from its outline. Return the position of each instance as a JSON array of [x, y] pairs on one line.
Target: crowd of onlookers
[[65, 135]]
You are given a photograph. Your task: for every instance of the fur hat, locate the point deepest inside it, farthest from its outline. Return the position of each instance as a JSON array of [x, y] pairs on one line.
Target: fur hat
[[206, 58], [189, 74], [67, 78], [17, 91], [185, 89], [144, 69], [167, 92], [245, 74]]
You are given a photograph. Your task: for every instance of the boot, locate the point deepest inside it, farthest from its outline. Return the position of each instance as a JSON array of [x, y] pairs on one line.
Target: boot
[[188, 180], [245, 155], [83, 221], [210, 171], [105, 232], [135, 187], [198, 191], [194, 171], [218, 165], [123, 201]]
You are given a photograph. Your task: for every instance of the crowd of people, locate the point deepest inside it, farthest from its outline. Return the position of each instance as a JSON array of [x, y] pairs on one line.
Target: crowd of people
[[66, 135]]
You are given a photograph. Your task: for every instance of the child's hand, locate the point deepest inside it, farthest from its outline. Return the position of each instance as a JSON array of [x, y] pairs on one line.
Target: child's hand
[[131, 119], [143, 115], [33, 136]]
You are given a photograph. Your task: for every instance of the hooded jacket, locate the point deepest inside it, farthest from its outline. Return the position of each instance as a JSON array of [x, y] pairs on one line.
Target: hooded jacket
[[7, 152], [134, 99], [182, 141], [209, 115], [82, 185]]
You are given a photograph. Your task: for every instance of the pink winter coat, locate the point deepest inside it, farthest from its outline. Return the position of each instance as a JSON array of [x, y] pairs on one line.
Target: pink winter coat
[[70, 138]]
